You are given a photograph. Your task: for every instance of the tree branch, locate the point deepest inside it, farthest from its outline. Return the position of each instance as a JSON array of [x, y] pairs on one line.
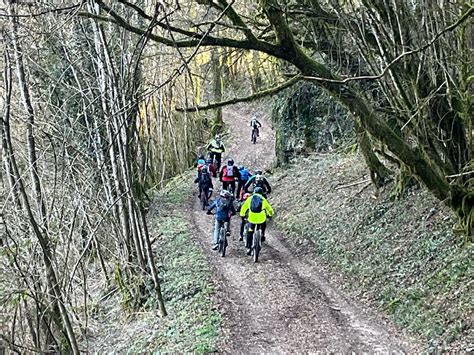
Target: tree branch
[[268, 92], [461, 19], [197, 39]]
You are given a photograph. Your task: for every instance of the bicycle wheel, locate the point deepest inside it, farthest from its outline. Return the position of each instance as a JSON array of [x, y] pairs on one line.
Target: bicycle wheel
[[254, 136], [256, 244], [222, 240]]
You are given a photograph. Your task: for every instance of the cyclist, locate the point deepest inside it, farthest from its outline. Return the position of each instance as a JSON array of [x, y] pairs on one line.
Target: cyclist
[[216, 148], [200, 160], [258, 180], [244, 176], [228, 175], [211, 167], [258, 209], [255, 124], [205, 181], [224, 210]]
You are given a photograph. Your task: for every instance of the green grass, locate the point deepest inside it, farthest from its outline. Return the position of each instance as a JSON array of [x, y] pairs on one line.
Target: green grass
[[411, 266], [193, 322]]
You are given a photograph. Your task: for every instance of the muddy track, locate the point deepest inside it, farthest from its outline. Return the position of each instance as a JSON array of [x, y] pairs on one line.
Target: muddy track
[[282, 304]]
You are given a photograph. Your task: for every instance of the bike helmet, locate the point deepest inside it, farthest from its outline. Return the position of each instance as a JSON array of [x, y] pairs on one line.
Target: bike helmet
[[241, 167], [225, 194], [258, 178], [217, 137], [258, 172], [258, 190], [230, 162]]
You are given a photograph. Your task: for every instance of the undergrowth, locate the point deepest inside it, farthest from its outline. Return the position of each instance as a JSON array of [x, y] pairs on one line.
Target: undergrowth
[[192, 323], [401, 256]]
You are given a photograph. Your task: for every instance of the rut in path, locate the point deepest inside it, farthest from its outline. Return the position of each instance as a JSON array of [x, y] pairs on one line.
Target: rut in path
[[282, 304]]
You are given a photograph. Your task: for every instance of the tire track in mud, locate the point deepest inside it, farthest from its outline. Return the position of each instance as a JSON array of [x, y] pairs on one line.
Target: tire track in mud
[[282, 304]]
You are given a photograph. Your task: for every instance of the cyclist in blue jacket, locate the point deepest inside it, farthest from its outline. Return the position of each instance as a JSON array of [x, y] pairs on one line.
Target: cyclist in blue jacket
[[244, 176], [224, 210]]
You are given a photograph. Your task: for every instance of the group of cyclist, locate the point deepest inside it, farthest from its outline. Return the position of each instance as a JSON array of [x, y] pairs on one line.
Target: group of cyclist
[[249, 191]]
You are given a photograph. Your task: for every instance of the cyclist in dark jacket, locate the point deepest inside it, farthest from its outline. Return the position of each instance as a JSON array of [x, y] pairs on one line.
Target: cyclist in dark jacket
[[255, 124], [258, 180], [204, 180], [224, 210]]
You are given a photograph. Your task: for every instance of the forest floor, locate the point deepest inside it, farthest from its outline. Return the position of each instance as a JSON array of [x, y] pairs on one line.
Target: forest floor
[[284, 303]]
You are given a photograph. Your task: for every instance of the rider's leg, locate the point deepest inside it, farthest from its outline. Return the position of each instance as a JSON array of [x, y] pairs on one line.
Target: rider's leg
[[228, 227], [239, 188], [263, 228], [242, 227], [217, 227], [218, 159], [248, 242], [205, 190]]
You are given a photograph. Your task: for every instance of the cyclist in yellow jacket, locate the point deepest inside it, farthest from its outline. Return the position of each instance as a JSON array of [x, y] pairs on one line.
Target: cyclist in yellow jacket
[[216, 149], [258, 209]]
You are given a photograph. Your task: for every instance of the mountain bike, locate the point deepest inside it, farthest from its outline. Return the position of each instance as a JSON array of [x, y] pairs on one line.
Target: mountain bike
[[256, 243], [222, 241], [254, 135]]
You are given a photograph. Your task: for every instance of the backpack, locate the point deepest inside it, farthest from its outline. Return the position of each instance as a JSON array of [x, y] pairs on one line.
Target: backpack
[[244, 174], [204, 178], [256, 204], [229, 171], [223, 204]]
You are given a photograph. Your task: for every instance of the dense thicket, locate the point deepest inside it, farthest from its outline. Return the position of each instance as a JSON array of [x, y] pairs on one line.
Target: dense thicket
[[84, 137], [306, 120]]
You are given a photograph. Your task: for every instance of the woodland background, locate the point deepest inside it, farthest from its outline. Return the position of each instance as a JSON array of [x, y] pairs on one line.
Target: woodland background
[[104, 102]]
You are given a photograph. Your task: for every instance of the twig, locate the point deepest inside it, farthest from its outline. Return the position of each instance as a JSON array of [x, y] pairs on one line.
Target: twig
[[352, 184], [460, 174], [362, 189]]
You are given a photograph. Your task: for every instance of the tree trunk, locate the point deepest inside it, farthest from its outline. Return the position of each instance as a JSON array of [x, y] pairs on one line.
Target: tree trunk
[[378, 172], [60, 313], [216, 66]]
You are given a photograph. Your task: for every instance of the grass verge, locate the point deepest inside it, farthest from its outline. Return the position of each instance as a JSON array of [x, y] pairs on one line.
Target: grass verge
[[400, 256], [193, 322]]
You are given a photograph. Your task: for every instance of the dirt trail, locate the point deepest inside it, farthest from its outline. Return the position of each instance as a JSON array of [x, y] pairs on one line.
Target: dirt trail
[[282, 304]]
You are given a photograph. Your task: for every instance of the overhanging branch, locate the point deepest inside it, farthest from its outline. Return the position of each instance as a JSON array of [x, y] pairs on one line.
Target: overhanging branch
[[268, 92], [461, 19]]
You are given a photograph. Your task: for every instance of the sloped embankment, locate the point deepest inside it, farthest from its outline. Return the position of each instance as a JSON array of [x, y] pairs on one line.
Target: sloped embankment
[[400, 256], [193, 323]]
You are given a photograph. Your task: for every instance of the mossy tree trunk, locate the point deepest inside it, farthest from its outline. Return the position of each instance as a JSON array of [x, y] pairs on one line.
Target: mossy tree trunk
[[378, 172], [414, 158]]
